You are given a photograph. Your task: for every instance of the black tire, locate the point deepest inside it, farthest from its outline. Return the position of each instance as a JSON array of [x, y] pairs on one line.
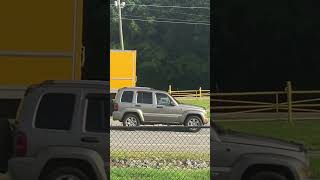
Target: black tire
[[6, 144], [134, 122], [193, 121], [268, 175], [67, 171]]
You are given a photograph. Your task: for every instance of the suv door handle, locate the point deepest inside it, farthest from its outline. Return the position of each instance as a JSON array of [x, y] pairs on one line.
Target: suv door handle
[[159, 106], [137, 105], [90, 139]]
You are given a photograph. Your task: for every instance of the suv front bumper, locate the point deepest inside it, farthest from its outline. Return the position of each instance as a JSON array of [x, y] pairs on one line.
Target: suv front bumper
[[205, 120]]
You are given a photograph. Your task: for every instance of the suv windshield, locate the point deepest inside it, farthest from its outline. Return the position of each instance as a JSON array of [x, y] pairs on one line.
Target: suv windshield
[[176, 100]]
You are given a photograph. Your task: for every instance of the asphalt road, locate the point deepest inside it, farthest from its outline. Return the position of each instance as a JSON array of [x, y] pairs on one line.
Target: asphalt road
[[161, 141], [117, 123]]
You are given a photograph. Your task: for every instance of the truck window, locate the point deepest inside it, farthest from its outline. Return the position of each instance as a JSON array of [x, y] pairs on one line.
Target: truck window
[[163, 99], [97, 114], [55, 111], [144, 97], [127, 96]]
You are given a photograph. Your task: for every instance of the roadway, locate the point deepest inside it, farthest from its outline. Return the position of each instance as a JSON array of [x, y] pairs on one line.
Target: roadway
[[163, 140]]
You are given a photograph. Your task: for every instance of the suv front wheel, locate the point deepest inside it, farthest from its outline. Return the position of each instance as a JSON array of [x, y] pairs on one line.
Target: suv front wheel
[[131, 120], [193, 121], [67, 173]]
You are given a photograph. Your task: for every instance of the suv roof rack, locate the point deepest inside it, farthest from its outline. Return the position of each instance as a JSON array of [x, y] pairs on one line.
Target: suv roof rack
[[148, 88]]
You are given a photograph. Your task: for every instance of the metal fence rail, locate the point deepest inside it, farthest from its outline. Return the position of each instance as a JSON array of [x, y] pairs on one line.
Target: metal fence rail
[[159, 152], [189, 93]]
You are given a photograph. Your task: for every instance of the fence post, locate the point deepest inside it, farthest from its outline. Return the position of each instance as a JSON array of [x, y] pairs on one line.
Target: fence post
[[169, 91], [289, 98], [200, 93], [277, 102]]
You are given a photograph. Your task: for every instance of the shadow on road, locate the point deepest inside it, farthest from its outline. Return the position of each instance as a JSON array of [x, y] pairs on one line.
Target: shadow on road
[[157, 128]]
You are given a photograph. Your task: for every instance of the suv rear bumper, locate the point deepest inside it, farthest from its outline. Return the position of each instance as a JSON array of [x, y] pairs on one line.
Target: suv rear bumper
[[117, 115], [23, 168]]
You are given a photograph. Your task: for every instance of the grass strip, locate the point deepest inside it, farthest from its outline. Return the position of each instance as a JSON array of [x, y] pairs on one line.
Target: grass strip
[[163, 174]]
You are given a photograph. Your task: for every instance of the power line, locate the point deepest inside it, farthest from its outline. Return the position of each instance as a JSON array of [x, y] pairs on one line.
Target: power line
[[174, 12], [169, 19], [178, 13], [172, 22], [161, 6]]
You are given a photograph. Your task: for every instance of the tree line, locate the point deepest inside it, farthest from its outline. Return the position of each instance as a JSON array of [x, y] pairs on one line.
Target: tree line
[[172, 42]]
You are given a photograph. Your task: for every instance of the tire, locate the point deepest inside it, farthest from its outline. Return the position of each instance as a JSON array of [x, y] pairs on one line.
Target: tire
[[63, 173], [131, 120], [268, 175], [6, 144], [193, 121]]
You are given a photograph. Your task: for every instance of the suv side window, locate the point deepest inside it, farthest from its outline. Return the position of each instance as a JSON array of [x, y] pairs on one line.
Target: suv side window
[[144, 97], [55, 111], [163, 99], [97, 113], [127, 96]]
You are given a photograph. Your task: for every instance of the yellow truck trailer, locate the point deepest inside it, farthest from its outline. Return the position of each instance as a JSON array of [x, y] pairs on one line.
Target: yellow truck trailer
[[122, 69], [40, 40], [44, 40]]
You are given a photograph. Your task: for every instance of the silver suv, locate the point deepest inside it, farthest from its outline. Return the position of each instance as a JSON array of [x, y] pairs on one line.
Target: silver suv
[[62, 132], [142, 105]]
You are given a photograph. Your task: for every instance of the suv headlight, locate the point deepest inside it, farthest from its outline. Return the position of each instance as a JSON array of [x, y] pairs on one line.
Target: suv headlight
[[306, 171]]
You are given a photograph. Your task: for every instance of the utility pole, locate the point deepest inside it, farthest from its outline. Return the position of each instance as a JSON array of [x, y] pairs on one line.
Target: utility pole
[[120, 23]]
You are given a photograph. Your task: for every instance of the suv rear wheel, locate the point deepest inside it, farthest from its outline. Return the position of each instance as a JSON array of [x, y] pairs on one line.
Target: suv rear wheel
[[67, 173], [131, 120], [268, 175], [193, 121]]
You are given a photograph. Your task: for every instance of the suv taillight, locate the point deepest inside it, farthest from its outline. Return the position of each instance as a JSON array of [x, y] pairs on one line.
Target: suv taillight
[[115, 106], [21, 144]]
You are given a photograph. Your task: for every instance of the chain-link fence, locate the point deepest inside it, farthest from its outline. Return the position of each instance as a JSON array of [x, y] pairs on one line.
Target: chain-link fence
[[160, 152]]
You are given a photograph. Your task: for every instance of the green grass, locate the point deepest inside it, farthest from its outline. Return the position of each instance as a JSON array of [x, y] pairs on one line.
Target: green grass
[[306, 132], [203, 102], [160, 155], [159, 174], [315, 167]]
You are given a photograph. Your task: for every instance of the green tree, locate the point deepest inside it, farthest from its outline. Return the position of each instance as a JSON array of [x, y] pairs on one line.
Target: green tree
[[168, 53]]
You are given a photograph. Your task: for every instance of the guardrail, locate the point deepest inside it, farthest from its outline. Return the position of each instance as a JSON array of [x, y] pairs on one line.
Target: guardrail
[[189, 93], [271, 105]]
